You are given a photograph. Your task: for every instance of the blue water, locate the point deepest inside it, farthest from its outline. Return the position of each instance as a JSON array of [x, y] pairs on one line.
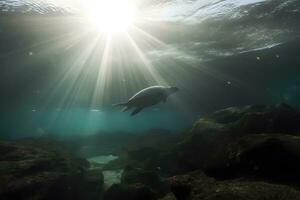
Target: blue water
[[216, 52], [81, 121]]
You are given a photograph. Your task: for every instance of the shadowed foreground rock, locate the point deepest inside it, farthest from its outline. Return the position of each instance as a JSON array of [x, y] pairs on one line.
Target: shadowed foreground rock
[[138, 184], [129, 192], [242, 146], [150, 178], [254, 150], [212, 134], [196, 186], [169, 196], [41, 170], [271, 157]]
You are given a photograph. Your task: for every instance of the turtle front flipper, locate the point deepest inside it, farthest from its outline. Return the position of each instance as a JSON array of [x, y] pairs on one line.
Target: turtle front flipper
[[126, 108], [136, 111]]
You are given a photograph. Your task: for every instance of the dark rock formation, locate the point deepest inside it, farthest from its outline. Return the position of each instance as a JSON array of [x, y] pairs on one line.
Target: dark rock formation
[[169, 196], [196, 185], [138, 184], [41, 169], [129, 192], [92, 184], [150, 178], [271, 157], [210, 135], [273, 119], [243, 146]]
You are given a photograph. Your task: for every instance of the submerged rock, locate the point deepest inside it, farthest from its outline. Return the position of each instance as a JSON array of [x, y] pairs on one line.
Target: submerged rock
[[150, 178], [129, 192], [210, 135], [30, 170], [271, 157], [196, 185], [92, 184], [273, 119], [138, 184], [169, 196], [251, 119]]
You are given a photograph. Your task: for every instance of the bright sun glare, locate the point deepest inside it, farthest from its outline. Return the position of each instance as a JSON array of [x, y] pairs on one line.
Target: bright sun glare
[[110, 16]]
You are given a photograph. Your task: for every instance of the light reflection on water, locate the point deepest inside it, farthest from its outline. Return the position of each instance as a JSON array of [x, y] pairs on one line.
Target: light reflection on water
[[110, 176], [102, 159]]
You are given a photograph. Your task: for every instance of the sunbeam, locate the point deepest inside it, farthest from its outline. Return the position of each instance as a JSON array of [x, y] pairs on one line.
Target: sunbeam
[[110, 16], [104, 76]]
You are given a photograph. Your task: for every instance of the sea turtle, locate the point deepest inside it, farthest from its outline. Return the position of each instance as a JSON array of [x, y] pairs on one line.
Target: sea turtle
[[147, 97]]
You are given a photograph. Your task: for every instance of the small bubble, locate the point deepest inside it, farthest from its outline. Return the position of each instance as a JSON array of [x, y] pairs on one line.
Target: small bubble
[[277, 56], [95, 110], [257, 58], [30, 53], [229, 82]]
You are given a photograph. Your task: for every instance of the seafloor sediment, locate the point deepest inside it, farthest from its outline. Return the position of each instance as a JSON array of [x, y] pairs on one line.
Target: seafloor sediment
[[239, 153]]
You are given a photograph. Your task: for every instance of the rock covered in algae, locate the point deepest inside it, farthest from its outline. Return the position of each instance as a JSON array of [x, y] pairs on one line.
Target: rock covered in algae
[[196, 185], [271, 157], [41, 169]]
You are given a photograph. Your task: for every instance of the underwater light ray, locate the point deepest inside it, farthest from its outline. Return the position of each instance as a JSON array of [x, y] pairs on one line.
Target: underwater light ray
[[70, 95], [149, 36], [124, 74], [72, 75], [155, 78], [185, 65], [50, 44], [103, 76], [64, 42]]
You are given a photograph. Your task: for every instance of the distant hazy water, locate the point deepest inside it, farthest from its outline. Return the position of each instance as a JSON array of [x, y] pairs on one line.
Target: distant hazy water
[[222, 57], [32, 122]]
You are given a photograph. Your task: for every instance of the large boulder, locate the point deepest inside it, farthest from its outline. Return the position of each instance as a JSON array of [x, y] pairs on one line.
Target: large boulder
[[92, 184], [150, 178], [129, 192], [41, 169], [211, 134], [250, 119], [137, 184], [273, 119], [169, 196], [196, 185], [272, 157]]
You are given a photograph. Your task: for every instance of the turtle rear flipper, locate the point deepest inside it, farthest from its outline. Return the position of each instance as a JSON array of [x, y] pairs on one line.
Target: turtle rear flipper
[[126, 108], [136, 111], [120, 104]]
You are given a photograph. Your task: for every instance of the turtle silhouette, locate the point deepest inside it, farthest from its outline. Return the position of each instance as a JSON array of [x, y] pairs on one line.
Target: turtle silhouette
[[147, 97]]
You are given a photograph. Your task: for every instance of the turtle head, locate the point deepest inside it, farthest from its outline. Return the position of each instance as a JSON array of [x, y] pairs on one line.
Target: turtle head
[[172, 90]]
